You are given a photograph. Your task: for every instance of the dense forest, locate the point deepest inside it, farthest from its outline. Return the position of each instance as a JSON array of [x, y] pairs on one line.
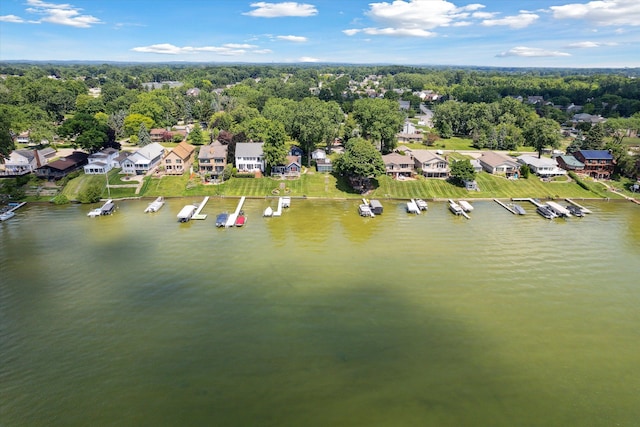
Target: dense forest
[[95, 105]]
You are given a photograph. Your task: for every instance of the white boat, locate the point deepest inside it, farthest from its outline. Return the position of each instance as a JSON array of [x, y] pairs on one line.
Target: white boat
[[365, 210], [268, 211], [286, 202], [186, 213], [466, 206], [155, 205], [517, 208], [412, 207], [95, 212], [422, 205], [6, 215], [455, 208]]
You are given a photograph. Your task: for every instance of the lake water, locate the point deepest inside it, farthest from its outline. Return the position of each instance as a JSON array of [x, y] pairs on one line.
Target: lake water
[[320, 317]]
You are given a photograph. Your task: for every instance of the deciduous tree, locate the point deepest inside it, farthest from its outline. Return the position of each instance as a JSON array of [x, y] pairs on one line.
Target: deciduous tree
[[542, 133]]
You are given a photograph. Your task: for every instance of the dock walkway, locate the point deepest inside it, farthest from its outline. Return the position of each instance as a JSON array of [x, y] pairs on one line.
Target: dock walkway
[[231, 221], [197, 214], [527, 199], [582, 208]]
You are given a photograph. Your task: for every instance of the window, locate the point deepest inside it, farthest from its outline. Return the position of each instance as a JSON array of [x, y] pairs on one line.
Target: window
[[178, 161], [168, 161]]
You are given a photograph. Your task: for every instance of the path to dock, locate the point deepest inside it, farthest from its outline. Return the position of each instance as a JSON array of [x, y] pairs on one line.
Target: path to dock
[[231, 221], [16, 207], [201, 206], [527, 199], [505, 206], [582, 208]]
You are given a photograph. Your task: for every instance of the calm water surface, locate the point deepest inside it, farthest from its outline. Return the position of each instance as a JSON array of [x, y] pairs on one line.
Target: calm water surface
[[320, 317]]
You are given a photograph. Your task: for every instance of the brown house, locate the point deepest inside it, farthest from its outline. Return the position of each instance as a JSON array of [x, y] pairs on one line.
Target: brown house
[[64, 166], [179, 159], [212, 158], [597, 163]]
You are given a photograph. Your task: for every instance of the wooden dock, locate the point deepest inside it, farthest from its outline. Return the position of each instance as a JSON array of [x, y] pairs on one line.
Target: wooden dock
[[201, 205], [582, 208], [527, 199], [505, 206]]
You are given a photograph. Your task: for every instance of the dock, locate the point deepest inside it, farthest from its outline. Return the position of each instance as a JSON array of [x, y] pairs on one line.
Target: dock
[[412, 207], [231, 221], [528, 199], [201, 205], [10, 213], [505, 206], [582, 208]]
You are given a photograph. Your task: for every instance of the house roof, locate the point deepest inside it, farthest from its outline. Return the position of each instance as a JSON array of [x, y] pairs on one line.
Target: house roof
[[150, 151], [293, 159], [596, 154], [426, 156], [569, 160], [183, 150], [249, 149], [71, 160], [535, 161], [395, 158], [212, 151], [493, 159]]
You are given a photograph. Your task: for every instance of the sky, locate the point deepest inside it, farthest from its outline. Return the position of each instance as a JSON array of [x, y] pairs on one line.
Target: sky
[[495, 33]]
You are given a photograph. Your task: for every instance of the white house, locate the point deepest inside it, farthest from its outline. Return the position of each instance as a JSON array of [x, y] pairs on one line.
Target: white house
[[318, 154], [143, 160], [22, 162], [543, 166], [250, 157], [101, 162]]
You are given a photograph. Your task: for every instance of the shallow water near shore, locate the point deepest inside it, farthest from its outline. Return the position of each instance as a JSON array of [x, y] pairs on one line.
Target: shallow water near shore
[[320, 317]]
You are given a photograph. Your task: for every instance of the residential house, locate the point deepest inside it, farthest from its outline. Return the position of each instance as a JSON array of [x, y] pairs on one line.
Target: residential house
[[291, 168], [296, 151], [543, 166], [500, 164], [143, 160], [23, 138], [570, 163], [212, 159], [431, 164], [22, 162], [158, 135], [318, 154], [101, 162], [63, 166], [396, 165], [250, 157], [587, 118], [416, 138], [477, 166], [597, 163], [180, 159]]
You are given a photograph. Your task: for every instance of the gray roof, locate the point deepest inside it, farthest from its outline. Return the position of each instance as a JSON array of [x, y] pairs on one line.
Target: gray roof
[[249, 149], [212, 151]]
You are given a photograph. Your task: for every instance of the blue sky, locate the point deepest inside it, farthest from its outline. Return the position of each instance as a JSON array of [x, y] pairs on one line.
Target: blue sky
[[502, 33]]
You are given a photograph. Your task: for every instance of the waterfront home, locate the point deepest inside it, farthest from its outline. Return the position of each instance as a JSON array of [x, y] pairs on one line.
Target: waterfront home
[[396, 165], [500, 164], [318, 154], [179, 159], [212, 159], [543, 166], [101, 162], [23, 138], [431, 164], [250, 157], [291, 168], [143, 160], [296, 151], [63, 166], [22, 162], [597, 163]]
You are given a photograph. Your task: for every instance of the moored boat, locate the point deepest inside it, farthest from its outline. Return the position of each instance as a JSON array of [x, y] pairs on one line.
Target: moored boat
[[241, 219], [221, 219], [155, 205], [186, 213], [6, 215], [268, 211], [422, 205], [365, 210], [545, 211], [575, 211], [517, 209], [466, 206], [455, 208]]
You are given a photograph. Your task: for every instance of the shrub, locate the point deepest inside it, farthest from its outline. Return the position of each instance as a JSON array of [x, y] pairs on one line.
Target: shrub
[[60, 199], [91, 194]]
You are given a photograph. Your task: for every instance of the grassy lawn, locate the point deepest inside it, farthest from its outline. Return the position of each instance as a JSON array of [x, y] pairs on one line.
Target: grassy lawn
[[330, 186]]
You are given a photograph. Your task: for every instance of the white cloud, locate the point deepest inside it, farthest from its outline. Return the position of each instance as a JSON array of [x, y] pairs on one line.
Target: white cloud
[[12, 18], [397, 32], [517, 21], [308, 59], [296, 39], [277, 10], [589, 45], [262, 51], [423, 14], [531, 52], [602, 12], [483, 15], [169, 49], [61, 14], [239, 45]]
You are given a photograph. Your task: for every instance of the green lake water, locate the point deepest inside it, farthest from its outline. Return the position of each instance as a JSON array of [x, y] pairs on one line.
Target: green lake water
[[320, 317]]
